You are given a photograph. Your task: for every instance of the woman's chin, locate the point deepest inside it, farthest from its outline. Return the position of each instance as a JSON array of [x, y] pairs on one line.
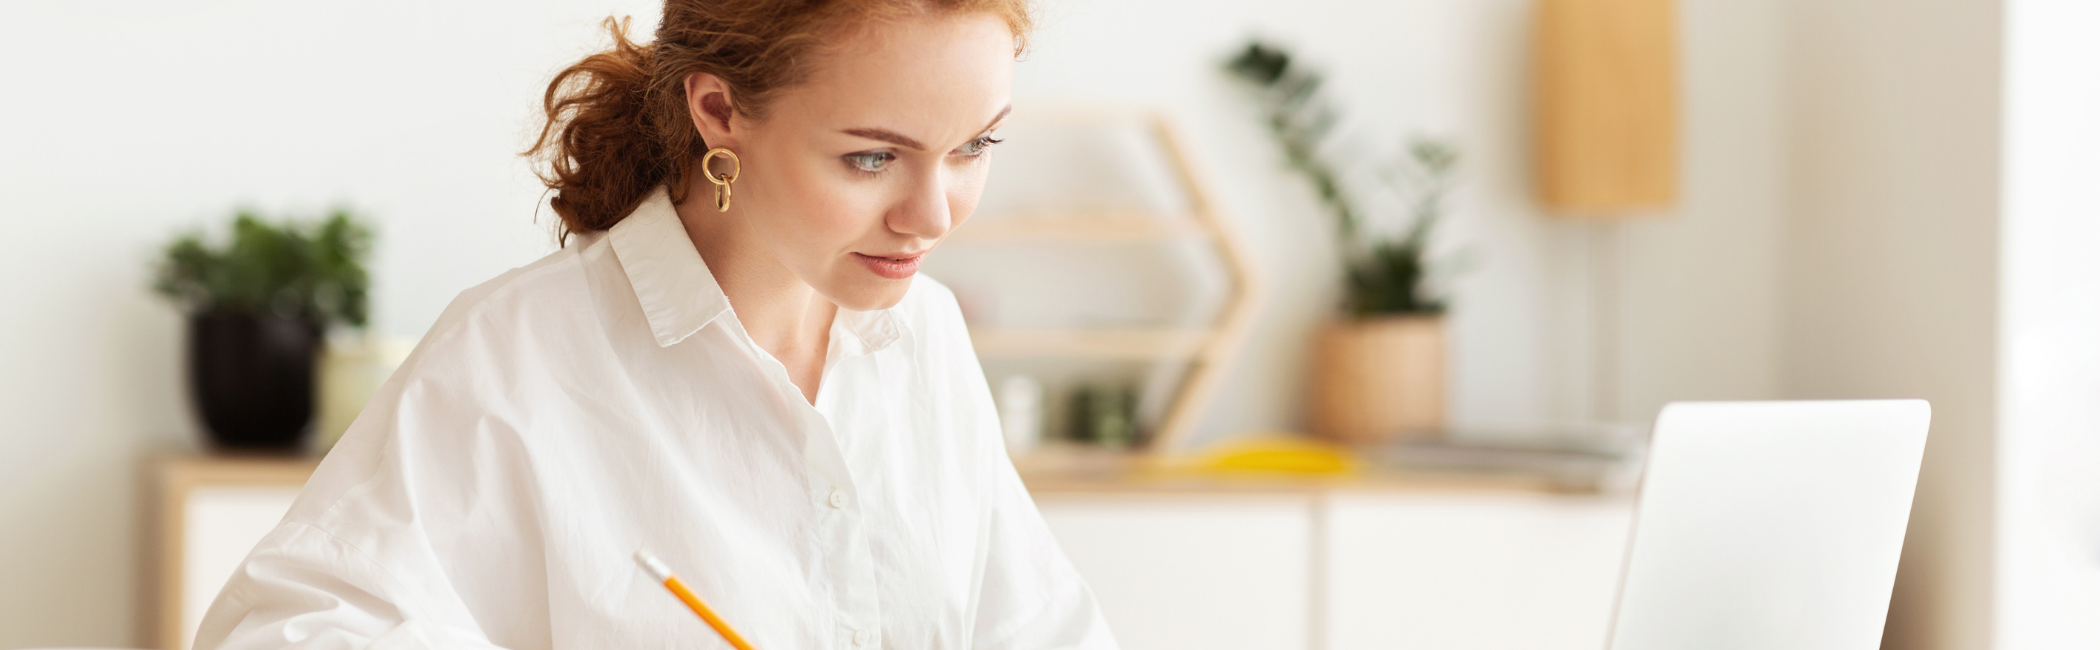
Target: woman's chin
[[870, 294]]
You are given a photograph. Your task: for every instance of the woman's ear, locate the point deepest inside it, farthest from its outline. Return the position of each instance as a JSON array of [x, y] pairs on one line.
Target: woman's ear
[[707, 102]]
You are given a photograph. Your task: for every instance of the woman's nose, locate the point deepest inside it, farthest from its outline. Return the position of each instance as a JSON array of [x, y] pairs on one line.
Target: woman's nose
[[924, 212]]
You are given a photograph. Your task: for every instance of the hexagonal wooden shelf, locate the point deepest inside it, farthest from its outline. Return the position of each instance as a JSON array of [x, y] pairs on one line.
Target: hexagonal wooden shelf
[[1094, 179]]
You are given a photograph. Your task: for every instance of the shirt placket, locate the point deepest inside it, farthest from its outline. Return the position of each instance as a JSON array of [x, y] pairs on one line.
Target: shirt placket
[[841, 527], [848, 563]]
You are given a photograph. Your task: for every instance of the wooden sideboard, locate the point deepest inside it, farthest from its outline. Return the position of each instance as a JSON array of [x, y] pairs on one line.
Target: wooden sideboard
[[1178, 561]]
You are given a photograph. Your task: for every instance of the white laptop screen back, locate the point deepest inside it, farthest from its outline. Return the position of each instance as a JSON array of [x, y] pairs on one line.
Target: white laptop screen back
[[1770, 525]]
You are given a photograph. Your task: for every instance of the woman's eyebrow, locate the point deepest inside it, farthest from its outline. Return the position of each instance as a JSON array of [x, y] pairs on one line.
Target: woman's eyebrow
[[901, 140], [886, 135], [1001, 116]]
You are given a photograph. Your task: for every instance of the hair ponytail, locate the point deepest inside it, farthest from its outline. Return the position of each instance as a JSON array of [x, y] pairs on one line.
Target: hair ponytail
[[601, 152]]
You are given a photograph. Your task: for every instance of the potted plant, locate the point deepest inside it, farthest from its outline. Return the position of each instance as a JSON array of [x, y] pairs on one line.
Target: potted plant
[[258, 307], [1378, 370]]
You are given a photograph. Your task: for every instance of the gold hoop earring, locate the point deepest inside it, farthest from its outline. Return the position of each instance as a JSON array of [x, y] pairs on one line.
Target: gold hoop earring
[[721, 182]]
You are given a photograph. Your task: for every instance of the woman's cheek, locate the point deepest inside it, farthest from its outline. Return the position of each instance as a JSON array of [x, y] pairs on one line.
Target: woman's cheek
[[841, 216], [961, 207], [964, 194]]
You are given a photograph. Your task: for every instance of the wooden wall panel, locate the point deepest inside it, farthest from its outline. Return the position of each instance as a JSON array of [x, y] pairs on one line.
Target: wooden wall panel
[[1606, 114]]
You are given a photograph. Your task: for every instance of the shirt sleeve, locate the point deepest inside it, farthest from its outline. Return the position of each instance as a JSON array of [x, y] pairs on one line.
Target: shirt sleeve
[[389, 544], [1031, 598], [303, 588]]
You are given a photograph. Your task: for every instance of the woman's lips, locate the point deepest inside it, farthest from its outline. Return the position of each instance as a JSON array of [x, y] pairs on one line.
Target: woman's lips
[[894, 268]]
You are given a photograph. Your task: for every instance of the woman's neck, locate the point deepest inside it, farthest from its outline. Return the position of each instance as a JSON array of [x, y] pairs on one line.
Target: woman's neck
[[783, 314]]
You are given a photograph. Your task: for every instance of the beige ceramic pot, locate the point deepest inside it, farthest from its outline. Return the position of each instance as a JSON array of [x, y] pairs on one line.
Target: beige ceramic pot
[[1379, 379]]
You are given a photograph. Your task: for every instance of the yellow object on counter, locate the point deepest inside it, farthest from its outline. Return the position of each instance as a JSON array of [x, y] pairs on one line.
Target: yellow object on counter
[[1276, 453]]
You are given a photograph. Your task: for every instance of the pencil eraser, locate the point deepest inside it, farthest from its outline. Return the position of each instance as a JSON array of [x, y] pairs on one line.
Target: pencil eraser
[[654, 566]]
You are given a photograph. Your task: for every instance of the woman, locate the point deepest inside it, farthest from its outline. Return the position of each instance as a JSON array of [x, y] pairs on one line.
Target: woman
[[730, 363]]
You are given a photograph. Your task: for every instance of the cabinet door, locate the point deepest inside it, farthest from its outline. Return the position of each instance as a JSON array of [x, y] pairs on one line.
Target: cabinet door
[[220, 526], [1473, 572], [1185, 571]]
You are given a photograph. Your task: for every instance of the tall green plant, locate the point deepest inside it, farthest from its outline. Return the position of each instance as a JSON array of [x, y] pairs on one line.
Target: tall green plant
[[310, 271], [1385, 274]]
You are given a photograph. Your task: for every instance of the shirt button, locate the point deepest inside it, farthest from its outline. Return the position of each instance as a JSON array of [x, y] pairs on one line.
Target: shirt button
[[838, 499], [862, 637]]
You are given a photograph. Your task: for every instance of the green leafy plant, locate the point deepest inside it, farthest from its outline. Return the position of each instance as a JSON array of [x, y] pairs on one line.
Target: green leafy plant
[[309, 271], [1386, 273]]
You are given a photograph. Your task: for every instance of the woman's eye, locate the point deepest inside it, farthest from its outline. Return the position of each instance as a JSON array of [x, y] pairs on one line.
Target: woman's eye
[[978, 146], [870, 161]]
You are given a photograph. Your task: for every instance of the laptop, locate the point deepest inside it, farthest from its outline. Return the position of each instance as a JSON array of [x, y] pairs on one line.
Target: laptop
[[1770, 525]]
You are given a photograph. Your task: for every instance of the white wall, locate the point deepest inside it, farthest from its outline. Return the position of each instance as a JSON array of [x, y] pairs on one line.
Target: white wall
[[2048, 464], [126, 123], [1702, 294], [1892, 265]]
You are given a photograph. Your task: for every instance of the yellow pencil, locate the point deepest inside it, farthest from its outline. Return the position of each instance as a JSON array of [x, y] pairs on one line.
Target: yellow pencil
[[663, 573]]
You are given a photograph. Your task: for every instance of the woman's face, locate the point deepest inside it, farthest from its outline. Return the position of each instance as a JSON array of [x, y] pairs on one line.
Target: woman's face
[[855, 174]]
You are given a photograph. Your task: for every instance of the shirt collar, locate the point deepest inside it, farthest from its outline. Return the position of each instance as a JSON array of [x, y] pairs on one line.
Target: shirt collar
[[871, 330], [679, 295]]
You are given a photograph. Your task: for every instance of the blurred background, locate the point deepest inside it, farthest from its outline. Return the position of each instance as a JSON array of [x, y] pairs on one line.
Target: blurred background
[[1812, 199]]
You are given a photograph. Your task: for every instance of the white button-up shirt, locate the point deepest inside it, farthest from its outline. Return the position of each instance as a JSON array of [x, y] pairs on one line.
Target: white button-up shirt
[[605, 399]]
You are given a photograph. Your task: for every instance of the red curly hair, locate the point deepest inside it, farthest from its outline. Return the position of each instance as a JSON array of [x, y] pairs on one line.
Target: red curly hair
[[617, 124]]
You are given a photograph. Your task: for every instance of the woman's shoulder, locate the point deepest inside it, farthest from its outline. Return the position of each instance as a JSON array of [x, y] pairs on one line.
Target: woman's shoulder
[[475, 380], [503, 344], [550, 286], [567, 298]]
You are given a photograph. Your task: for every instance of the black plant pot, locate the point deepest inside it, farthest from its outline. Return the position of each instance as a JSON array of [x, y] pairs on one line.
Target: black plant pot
[[253, 378]]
